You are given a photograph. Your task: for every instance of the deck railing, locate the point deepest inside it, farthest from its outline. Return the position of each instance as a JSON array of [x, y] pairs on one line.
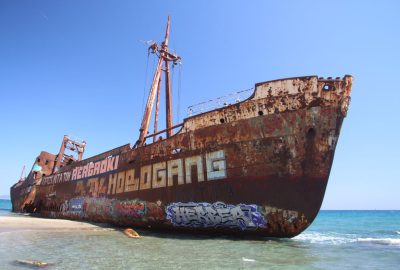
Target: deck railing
[[220, 102]]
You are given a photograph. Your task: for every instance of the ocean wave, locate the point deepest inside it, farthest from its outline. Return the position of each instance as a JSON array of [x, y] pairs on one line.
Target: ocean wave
[[398, 232], [326, 238], [340, 239], [381, 241]]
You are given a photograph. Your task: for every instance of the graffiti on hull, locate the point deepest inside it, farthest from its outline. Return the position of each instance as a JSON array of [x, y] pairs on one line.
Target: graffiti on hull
[[72, 208], [129, 209], [218, 214], [137, 209], [111, 210], [98, 209]]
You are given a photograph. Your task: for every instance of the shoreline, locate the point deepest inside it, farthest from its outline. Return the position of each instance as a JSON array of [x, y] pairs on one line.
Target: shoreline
[[25, 222]]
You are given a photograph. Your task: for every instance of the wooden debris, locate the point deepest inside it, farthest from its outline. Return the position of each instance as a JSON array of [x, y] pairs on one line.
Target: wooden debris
[[131, 233], [34, 263]]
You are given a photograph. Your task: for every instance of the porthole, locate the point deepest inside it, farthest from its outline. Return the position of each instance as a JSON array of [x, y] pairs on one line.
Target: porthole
[[328, 87]]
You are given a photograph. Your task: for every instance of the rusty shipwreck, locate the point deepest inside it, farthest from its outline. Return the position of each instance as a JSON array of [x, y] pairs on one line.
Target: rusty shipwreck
[[257, 167]]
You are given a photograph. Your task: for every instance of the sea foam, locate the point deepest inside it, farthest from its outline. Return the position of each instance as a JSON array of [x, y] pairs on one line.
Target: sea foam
[[339, 239], [381, 241], [326, 238]]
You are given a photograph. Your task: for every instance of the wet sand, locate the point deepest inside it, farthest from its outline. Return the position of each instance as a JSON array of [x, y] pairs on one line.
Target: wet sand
[[21, 222]]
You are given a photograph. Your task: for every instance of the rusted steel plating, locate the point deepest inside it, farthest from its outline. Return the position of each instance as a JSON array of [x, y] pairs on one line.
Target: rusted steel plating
[[255, 168], [164, 57]]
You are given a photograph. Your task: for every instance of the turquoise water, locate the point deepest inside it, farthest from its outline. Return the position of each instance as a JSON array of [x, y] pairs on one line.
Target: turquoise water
[[5, 204], [5, 207], [336, 240]]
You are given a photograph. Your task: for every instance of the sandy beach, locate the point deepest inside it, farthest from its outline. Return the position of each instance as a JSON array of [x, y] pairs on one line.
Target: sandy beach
[[15, 223]]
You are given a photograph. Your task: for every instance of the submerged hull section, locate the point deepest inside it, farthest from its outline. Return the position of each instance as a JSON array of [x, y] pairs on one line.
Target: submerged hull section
[[257, 168]]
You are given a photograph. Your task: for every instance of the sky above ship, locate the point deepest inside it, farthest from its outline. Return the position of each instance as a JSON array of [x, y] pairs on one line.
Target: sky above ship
[[81, 68]]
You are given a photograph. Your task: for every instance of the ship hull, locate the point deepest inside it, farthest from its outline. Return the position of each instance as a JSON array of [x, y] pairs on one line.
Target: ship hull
[[257, 168]]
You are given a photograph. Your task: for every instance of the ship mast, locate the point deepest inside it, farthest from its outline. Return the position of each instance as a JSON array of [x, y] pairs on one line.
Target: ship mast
[[165, 57]]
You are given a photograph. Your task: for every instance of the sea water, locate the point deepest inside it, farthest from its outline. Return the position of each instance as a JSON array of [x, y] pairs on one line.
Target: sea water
[[336, 240]]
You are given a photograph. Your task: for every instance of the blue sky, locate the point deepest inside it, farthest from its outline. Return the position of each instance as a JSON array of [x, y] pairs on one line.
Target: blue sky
[[79, 68]]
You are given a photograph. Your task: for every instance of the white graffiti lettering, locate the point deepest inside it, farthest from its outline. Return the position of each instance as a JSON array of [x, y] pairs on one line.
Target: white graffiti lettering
[[94, 168], [163, 174]]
